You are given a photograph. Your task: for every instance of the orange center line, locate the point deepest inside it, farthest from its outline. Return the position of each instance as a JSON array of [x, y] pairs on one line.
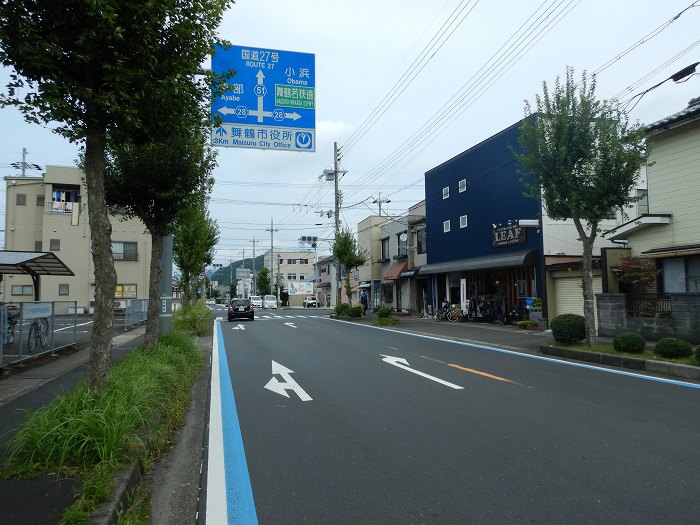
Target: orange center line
[[490, 376]]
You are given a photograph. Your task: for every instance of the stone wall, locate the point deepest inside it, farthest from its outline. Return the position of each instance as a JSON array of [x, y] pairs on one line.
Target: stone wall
[[683, 324]]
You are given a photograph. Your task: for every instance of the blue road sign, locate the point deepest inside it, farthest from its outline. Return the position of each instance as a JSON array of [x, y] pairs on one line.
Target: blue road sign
[[271, 100]]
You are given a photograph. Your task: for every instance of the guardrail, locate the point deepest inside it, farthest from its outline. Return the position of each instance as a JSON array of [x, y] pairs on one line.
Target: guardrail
[[32, 329]]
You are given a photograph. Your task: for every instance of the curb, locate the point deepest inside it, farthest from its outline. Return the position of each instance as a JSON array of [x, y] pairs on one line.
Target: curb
[[124, 480], [632, 363]]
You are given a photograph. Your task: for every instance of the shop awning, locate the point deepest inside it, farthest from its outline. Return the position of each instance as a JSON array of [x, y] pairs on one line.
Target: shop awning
[[395, 270], [324, 285], [526, 258], [410, 273]]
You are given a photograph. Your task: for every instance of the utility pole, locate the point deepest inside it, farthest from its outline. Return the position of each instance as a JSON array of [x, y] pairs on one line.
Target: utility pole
[[380, 201], [272, 250], [23, 165], [277, 280], [336, 173], [255, 280], [337, 220]]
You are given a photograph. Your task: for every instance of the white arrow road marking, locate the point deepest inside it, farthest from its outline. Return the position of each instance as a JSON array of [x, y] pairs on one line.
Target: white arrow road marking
[[400, 362], [239, 327], [290, 324], [281, 388]]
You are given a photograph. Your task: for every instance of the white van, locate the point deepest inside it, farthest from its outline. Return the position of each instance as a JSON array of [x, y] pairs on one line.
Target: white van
[[256, 301], [270, 301]]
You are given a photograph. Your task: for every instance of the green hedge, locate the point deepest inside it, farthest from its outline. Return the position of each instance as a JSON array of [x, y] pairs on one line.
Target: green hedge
[[630, 343], [673, 348], [568, 328]]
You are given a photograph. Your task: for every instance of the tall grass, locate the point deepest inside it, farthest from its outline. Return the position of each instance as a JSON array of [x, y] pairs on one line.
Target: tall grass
[[84, 428], [196, 319]]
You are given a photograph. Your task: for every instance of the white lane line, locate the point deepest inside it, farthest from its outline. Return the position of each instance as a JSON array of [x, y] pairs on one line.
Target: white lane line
[[529, 356], [217, 508]]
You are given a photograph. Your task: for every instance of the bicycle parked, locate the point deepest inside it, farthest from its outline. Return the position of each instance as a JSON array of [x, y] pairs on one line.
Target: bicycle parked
[[448, 313], [38, 334]]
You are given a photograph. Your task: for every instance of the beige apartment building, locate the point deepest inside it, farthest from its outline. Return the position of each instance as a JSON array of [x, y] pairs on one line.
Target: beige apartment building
[[49, 213], [295, 273]]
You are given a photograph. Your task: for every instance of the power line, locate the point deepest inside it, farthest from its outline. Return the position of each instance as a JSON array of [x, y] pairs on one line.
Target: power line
[[515, 47], [426, 55]]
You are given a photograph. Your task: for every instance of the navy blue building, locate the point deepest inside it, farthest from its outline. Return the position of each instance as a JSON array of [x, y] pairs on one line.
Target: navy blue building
[[477, 252]]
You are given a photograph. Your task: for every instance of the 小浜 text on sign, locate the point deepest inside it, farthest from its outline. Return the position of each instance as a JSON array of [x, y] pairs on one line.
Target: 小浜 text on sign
[[270, 103], [508, 235]]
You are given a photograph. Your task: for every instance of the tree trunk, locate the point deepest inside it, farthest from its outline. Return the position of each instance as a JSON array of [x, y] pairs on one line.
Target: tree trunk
[[100, 240], [151, 336], [348, 288], [587, 281]]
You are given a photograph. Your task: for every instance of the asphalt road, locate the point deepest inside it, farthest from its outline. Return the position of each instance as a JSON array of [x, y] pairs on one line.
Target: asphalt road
[[453, 434]]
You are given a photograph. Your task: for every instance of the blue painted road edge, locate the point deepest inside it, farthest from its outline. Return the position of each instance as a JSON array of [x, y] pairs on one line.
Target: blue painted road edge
[[239, 493]]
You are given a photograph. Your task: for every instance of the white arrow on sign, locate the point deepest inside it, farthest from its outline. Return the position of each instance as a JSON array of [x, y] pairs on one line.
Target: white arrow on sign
[[400, 362], [239, 327], [290, 324], [289, 384]]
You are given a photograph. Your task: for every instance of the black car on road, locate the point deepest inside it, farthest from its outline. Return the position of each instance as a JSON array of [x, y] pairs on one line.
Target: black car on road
[[241, 309]]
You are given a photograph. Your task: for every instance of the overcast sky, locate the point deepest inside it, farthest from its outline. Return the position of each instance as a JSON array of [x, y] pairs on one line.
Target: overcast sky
[[363, 48]]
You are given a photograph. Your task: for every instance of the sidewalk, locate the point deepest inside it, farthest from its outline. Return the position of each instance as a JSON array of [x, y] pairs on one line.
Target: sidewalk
[[43, 500]]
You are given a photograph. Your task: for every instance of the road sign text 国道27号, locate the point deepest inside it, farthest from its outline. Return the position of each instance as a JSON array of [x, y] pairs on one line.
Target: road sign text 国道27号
[[271, 100]]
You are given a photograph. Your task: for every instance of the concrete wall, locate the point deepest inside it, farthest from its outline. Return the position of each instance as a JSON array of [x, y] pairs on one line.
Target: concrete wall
[[683, 324]]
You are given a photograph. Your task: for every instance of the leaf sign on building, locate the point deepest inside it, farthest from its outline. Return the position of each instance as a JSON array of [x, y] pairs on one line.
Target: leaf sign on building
[[508, 235]]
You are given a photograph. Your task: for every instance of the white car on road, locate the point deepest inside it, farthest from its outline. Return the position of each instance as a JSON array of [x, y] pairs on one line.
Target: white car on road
[[256, 301], [270, 301]]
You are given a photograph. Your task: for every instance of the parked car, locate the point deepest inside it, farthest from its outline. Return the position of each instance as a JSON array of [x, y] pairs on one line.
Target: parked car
[[310, 302], [257, 301], [270, 301], [241, 309]]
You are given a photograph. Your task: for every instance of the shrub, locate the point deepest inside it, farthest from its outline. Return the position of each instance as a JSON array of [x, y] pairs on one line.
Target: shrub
[[523, 324], [383, 312], [630, 343], [194, 319], [342, 310], [385, 321], [697, 354], [568, 328], [532, 324], [356, 311], [673, 348]]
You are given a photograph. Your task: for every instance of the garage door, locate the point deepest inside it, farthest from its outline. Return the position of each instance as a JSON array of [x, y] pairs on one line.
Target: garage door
[[569, 295]]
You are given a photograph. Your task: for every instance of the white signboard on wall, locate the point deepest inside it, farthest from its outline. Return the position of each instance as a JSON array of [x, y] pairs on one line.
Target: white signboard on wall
[[300, 288]]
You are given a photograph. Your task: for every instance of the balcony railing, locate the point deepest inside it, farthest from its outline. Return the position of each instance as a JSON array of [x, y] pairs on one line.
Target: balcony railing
[[59, 207], [648, 304]]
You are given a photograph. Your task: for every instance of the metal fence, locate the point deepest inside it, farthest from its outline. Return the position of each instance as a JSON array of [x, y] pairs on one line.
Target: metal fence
[[648, 305], [31, 329], [136, 311]]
